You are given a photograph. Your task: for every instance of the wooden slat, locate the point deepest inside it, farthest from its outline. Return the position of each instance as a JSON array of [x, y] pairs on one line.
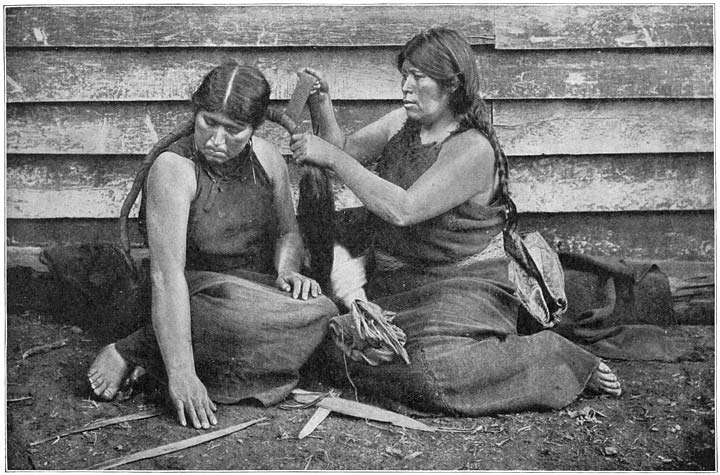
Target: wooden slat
[[603, 26], [230, 25], [524, 128], [353, 74], [132, 75], [94, 187], [613, 183], [48, 232], [600, 127], [644, 235], [133, 128], [603, 74], [88, 187], [677, 235]]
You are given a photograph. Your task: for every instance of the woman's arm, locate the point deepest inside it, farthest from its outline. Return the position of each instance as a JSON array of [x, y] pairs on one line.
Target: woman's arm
[[289, 249], [465, 168], [170, 188], [365, 144]]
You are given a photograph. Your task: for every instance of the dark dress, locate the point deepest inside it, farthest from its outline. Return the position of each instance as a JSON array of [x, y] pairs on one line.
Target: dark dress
[[459, 314], [249, 338]]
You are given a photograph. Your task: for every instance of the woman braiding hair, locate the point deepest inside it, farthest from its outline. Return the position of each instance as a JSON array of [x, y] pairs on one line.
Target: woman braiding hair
[[439, 207], [445, 55]]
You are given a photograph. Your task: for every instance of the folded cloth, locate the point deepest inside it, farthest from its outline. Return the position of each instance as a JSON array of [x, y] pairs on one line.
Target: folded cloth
[[617, 309]]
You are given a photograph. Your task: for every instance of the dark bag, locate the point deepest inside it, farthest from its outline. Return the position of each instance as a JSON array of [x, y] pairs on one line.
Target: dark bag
[[99, 287], [617, 309]]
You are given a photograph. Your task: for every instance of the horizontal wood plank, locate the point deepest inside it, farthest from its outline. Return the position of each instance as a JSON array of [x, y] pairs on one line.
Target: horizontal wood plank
[[676, 235], [95, 187], [600, 74], [602, 26], [83, 187], [358, 74], [639, 235], [161, 74], [133, 128], [524, 128], [604, 127], [232, 25], [613, 183]]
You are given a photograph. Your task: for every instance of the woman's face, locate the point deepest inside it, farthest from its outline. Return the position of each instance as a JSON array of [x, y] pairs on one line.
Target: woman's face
[[220, 138], [423, 97]]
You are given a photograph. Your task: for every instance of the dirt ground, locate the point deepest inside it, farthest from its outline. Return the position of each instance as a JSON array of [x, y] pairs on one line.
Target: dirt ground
[[665, 420]]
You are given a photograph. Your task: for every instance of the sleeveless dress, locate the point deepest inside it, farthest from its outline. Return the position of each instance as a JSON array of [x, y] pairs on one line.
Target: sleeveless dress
[[460, 318], [249, 338]]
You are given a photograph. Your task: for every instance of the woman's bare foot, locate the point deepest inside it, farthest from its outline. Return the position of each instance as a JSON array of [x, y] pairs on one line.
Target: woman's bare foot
[[604, 381], [108, 373]]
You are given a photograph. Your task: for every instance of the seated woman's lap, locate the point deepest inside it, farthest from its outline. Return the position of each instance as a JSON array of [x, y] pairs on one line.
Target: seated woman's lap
[[249, 339], [466, 356]]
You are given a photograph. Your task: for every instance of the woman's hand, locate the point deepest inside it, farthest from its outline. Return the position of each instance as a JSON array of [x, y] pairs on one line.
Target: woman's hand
[[311, 149], [189, 397], [300, 285], [321, 84]]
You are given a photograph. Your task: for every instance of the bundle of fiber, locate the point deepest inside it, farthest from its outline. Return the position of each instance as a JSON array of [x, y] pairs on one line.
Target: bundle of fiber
[[367, 334]]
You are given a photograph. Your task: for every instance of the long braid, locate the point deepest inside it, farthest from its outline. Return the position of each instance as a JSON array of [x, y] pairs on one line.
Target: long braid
[[479, 118]]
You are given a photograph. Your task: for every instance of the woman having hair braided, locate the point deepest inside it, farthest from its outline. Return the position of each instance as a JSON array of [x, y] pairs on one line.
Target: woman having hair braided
[[232, 317], [437, 205]]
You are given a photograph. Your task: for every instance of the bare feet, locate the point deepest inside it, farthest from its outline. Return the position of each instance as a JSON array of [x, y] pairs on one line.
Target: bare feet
[[108, 373], [604, 381]]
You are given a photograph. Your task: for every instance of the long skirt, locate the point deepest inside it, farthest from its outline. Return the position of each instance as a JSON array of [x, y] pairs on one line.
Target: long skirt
[[249, 339], [466, 355]]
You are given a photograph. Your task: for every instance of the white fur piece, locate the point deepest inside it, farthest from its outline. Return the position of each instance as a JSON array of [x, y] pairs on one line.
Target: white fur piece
[[347, 277]]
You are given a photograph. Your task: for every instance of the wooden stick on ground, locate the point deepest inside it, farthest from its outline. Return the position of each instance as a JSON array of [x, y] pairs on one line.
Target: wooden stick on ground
[[18, 399], [45, 348], [106, 422], [174, 447]]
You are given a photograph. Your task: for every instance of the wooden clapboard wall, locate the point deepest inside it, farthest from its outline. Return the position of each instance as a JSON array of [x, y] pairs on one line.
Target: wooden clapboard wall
[[606, 112]]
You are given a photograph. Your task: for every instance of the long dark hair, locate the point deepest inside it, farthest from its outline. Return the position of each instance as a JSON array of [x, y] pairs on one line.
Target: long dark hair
[[445, 55], [240, 92]]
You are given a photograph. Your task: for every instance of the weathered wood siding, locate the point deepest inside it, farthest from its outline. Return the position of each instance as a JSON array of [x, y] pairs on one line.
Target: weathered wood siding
[[606, 112]]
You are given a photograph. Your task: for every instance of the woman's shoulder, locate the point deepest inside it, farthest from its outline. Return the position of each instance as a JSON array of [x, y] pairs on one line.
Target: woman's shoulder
[[173, 171], [269, 156], [470, 141], [469, 149], [173, 163]]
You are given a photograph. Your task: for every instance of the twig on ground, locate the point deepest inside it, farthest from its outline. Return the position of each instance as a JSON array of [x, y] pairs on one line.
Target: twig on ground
[[96, 425], [174, 447], [453, 429], [503, 442], [45, 348], [19, 399]]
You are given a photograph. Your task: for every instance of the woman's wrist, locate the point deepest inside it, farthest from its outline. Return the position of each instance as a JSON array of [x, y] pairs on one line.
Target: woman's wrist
[[286, 270], [180, 370], [340, 161], [318, 98]]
